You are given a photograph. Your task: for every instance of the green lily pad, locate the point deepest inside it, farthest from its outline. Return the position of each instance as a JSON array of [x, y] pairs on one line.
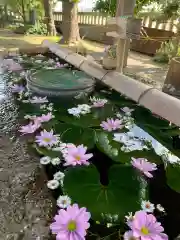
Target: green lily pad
[[75, 134], [112, 149], [46, 152], [173, 176], [121, 195], [92, 119]]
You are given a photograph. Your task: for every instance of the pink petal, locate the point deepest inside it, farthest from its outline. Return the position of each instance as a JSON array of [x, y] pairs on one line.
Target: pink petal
[[63, 235], [140, 219], [87, 156], [148, 174]]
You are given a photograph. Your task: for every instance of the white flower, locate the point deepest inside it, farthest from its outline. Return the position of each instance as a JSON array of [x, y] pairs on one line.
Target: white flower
[[40, 55], [50, 108], [27, 94], [50, 61], [39, 100], [38, 61], [25, 101], [59, 176], [74, 111], [129, 217], [125, 149], [43, 106], [29, 117], [109, 225], [55, 161], [147, 206], [84, 108], [45, 160], [53, 184], [127, 110], [119, 115], [23, 74], [160, 208], [63, 201]]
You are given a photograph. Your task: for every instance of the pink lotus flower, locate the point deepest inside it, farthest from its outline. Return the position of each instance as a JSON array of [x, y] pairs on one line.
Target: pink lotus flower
[[15, 67], [59, 65], [129, 236], [30, 128], [71, 224], [97, 102], [44, 118], [11, 65], [38, 100], [47, 139], [77, 156], [146, 227], [144, 166], [111, 124], [17, 88]]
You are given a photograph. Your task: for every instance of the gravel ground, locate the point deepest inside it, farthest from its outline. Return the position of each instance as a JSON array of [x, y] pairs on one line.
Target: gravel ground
[[25, 202]]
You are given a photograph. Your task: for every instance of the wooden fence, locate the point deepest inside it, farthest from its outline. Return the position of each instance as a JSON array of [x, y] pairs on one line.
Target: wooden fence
[[93, 18]]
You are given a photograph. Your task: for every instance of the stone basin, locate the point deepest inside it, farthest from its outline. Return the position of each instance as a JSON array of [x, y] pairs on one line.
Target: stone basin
[[60, 82]]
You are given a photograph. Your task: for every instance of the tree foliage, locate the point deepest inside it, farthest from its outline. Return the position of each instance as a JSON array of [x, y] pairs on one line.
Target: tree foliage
[[109, 7]]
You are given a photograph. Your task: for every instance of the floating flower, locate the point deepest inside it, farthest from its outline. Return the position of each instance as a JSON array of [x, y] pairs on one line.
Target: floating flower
[[146, 227], [47, 139], [17, 88], [144, 166], [59, 65], [71, 224], [77, 156], [59, 176], [53, 184], [129, 236], [160, 208], [63, 201], [84, 108], [23, 74], [55, 161], [44, 118], [31, 117], [40, 56], [30, 128], [129, 219], [38, 61], [97, 102], [110, 124], [50, 61], [45, 160], [147, 206], [43, 106], [127, 110], [38, 100], [15, 67], [74, 111]]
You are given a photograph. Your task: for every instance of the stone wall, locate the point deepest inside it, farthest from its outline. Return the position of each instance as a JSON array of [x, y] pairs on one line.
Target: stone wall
[[98, 33]]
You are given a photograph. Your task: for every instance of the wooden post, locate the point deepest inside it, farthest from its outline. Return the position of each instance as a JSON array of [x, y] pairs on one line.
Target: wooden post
[[122, 44]]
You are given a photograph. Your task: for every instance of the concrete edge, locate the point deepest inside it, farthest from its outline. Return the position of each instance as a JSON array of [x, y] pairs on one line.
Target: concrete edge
[[24, 50], [156, 101]]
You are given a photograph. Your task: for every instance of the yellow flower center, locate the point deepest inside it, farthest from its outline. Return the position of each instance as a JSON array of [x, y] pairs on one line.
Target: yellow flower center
[[145, 230], [47, 140], [71, 226], [78, 158]]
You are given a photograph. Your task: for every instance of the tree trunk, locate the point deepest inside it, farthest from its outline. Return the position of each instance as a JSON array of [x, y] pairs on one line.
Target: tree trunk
[[23, 11], [49, 19], [70, 27]]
